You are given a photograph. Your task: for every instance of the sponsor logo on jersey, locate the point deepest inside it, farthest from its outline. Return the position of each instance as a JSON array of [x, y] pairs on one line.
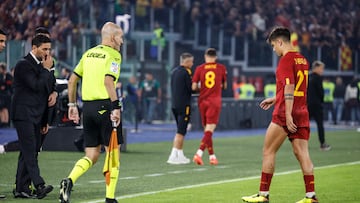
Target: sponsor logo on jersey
[[96, 55]]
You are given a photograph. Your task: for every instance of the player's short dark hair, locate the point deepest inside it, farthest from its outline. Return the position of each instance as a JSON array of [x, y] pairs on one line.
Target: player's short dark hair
[[2, 32], [317, 64], [279, 32], [42, 30], [185, 55], [210, 52], [40, 39]]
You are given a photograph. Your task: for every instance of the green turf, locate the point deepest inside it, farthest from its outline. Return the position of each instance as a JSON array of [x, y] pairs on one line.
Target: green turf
[[144, 169], [335, 185]]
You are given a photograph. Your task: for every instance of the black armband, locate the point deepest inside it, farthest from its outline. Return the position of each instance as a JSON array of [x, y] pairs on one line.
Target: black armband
[[116, 104]]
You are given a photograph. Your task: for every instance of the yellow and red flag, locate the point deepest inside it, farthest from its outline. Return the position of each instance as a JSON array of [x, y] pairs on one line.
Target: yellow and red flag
[[112, 156], [295, 41], [345, 57]]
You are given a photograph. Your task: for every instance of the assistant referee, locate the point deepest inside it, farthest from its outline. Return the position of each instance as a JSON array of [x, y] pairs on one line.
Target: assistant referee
[[99, 69]]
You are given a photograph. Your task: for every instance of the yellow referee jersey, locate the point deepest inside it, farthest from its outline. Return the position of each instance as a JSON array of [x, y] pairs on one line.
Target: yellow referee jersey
[[94, 65]]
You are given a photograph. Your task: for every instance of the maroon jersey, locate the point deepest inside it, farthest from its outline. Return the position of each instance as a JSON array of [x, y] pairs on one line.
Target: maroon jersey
[[293, 68], [211, 77]]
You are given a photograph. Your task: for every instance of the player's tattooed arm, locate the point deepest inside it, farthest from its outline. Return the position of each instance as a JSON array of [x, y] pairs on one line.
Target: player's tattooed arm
[[289, 96]]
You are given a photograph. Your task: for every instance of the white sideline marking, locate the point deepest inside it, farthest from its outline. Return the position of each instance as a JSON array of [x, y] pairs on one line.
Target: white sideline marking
[[154, 175], [176, 172], [200, 169], [221, 182], [97, 181], [222, 166], [129, 178]]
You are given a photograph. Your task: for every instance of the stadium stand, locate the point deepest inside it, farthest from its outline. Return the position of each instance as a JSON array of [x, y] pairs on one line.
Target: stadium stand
[[316, 22]]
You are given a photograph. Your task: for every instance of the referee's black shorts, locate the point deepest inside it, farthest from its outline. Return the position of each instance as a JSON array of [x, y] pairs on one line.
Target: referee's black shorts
[[182, 117], [97, 123]]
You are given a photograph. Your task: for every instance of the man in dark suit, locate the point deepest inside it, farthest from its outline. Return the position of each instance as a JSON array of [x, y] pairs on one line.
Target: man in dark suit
[[47, 62], [2, 47], [29, 115], [315, 100]]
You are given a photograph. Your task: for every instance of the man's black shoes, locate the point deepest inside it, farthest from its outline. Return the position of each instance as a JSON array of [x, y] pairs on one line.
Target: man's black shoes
[[40, 192], [43, 190], [108, 200], [24, 195]]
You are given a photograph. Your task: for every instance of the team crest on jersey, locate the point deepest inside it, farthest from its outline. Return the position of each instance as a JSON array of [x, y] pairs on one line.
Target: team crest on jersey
[[115, 67]]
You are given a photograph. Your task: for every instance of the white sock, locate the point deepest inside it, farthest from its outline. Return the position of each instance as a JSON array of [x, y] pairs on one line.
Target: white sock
[[199, 152], [264, 193], [173, 152], [2, 149], [310, 194], [180, 153], [212, 156]]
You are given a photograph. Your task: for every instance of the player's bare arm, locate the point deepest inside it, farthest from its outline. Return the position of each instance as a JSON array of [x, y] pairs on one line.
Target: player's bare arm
[[267, 103], [195, 87], [110, 88], [289, 102]]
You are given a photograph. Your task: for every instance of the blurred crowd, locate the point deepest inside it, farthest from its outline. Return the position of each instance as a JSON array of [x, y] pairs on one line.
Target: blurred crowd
[[20, 18], [317, 22]]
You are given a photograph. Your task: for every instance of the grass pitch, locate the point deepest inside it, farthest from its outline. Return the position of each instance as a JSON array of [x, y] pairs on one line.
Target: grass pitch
[[145, 176]]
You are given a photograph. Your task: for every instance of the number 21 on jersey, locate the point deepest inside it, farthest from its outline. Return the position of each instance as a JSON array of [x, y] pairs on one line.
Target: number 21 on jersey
[[302, 76]]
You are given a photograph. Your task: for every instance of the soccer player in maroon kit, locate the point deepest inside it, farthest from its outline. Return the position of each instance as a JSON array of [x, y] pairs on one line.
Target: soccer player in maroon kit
[[290, 117], [212, 78]]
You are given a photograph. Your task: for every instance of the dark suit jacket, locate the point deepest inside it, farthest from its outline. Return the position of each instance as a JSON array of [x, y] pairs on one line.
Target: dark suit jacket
[[315, 94], [31, 91]]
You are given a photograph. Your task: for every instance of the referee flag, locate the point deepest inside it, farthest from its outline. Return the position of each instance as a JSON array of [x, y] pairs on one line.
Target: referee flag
[[112, 156]]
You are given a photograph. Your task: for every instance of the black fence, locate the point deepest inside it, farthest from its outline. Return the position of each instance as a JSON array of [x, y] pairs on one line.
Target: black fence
[[236, 114]]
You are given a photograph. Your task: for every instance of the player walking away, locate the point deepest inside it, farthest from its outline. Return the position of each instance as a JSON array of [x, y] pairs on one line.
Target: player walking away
[[315, 101], [212, 79], [99, 69], [290, 117], [181, 101]]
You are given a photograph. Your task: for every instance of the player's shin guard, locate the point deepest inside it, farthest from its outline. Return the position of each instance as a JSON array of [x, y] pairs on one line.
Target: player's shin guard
[[111, 187], [81, 166], [209, 142], [265, 183], [202, 146], [206, 140], [309, 181]]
